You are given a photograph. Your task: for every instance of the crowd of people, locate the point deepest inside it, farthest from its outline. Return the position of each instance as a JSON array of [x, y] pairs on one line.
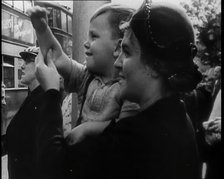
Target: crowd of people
[[146, 110]]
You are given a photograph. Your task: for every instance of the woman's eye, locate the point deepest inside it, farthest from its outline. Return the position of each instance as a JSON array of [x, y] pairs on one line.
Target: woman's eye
[[126, 53]]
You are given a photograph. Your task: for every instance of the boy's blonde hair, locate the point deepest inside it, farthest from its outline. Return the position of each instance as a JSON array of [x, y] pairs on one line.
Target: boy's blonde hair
[[118, 14]]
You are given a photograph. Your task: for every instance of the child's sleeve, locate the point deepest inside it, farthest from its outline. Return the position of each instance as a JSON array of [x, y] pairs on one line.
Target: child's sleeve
[[76, 78], [128, 109]]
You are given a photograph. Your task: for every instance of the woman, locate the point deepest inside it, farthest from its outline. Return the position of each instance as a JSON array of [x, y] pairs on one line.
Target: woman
[[155, 65]]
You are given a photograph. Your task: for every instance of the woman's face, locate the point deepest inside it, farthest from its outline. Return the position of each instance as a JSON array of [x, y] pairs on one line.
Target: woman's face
[[133, 76]]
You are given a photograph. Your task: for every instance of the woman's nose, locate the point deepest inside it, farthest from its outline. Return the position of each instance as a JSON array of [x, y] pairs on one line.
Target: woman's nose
[[119, 62]]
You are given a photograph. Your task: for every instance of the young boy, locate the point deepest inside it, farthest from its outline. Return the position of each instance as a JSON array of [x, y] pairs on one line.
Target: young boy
[[95, 83]]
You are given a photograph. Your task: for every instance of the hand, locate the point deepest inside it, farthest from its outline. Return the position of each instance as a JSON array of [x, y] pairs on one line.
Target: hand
[[76, 135], [212, 138], [47, 74], [38, 16], [85, 130], [212, 131], [215, 125]]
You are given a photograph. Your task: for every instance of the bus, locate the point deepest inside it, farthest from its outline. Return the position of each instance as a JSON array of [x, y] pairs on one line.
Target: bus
[[60, 22]]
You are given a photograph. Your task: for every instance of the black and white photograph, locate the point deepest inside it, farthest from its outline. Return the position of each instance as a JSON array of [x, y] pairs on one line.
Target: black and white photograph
[[111, 89]]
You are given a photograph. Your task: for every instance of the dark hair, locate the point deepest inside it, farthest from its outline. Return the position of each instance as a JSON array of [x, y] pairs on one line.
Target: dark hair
[[165, 33], [118, 14]]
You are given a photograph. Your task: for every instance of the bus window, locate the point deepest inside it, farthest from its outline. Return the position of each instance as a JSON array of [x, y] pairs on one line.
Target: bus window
[[70, 24], [50, 16], [8, 2], [8, 71], [27, 5], [18, 5], [63, 21], [57, 18]]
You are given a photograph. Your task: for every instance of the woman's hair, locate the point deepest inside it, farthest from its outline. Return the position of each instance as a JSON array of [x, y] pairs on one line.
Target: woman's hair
[[165, 33], [118, 14]]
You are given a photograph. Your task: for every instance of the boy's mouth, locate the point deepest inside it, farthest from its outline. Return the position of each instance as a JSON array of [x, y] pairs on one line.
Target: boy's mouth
[[88, 54]]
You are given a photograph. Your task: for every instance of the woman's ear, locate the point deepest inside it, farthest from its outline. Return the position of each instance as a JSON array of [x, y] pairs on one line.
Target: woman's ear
[[150, 72], [117, 49]]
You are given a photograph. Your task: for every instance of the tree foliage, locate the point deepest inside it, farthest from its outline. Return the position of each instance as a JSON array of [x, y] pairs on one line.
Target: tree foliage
[[206, 18]]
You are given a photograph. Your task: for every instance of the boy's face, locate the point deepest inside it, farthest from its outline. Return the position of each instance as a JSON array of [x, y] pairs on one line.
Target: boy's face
[[100, 47]]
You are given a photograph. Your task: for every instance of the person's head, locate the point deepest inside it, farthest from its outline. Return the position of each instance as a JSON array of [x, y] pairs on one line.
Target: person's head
[[104, 37], [28, 67], [157, 52], [217, 72]]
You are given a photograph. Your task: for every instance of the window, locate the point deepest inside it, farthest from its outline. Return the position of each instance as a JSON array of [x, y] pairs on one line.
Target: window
[[27, 5], [7, 24], [18, 23], [50, 16], [16, 27], [70, 24], [8, 71], [64, 21], [8, 2], [18, 5], [57, 18], [12, 72]]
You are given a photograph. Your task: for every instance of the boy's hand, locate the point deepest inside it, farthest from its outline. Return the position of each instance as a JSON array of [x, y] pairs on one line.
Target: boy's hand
[[38, 16], [47, 74], [85, 130], [76, 135], [215, 125]]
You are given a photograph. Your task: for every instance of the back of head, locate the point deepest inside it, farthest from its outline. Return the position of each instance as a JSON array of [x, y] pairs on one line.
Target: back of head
[[118, 14], [166, 34]]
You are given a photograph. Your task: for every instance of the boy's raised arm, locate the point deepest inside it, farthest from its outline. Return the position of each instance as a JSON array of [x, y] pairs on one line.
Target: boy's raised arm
[[47, 40]]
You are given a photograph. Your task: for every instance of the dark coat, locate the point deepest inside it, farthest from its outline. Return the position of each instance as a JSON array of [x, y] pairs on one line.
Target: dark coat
[[158, 143], [20, 137]]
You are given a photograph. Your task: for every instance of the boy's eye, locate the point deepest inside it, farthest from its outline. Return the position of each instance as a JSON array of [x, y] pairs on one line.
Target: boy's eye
[[94, 36]]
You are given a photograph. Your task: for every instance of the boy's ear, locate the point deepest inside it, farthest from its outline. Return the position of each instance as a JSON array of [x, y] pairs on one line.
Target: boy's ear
[[117, 49]]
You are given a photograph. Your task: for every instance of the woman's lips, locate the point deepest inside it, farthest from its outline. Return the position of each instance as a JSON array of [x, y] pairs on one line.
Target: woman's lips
[[120, 77]]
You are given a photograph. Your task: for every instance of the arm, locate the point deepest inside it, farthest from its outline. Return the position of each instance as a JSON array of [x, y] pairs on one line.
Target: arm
[[50, 144], [128, 109], [84, 130], [47, 40]]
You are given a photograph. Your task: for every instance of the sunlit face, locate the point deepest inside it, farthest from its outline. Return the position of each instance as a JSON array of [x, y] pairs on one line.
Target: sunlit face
[[28, 72], [99, 46], [133, 73]]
